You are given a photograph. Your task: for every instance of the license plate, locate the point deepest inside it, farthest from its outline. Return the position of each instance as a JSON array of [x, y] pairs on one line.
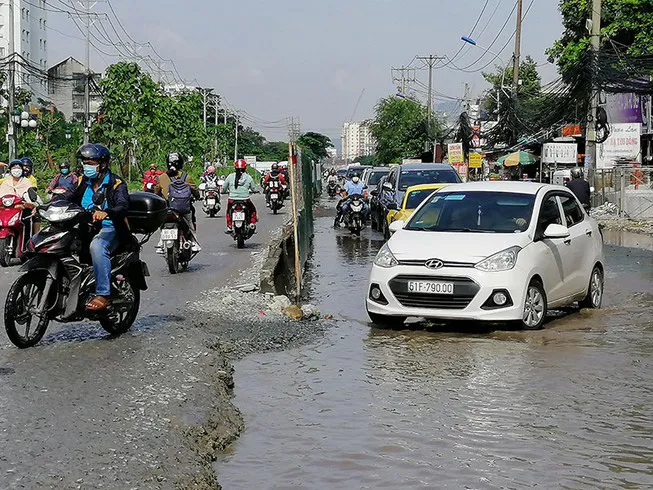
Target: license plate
[[169, 234], [274, 196], [430, 287], [238, 216], [210, 202]]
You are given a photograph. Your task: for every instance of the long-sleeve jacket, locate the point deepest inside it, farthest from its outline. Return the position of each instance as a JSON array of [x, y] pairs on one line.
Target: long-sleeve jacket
[[240, 193]]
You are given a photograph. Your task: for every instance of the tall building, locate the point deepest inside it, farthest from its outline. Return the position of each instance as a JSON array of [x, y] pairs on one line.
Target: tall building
[[66, 87], [357, 140], [30, 42]]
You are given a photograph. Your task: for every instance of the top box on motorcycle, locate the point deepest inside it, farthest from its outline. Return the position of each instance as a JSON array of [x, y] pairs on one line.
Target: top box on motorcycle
[[147, 212]]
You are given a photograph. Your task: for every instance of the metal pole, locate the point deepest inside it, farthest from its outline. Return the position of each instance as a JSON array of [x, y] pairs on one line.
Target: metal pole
[[11, 137], [204, 97], [87, 88], [215, 146], [430, 96], [515, 67], [236, 142], [590, 150]]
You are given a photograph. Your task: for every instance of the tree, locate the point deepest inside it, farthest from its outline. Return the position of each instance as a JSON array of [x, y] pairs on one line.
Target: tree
[[366, 160], [315, 144], [626, 26], [517, 113], [400, 129]]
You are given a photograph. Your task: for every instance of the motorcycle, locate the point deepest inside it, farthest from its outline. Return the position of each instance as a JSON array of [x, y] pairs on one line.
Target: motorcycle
[[149, 187], [58, 281], [355, 219], [240, 219], [220, 184], [332, 189], [276, 195], [14, 235], [210, 198], [177, 243]]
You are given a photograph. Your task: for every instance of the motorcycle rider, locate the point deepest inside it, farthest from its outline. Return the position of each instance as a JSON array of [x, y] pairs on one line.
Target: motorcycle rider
[[352, 187], [16, 184], [273, 174], [28, 169], [209, 176], [332, 177], [113, 216], [151, 177], [64, 179], [238, 185], [580, 187], [175, 164]]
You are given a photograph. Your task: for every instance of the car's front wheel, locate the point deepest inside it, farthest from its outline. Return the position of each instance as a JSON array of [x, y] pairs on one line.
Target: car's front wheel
[[386, 321], [594, 296], [535, 307]]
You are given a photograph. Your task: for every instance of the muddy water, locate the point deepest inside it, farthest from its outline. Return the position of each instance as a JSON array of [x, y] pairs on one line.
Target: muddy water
[[570, 406]]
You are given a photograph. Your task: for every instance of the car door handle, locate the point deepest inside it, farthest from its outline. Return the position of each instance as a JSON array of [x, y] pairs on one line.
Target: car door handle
[[567, 241], [588, 232]]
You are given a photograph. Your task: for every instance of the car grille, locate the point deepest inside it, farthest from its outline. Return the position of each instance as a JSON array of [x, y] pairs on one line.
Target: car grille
[[464, 291], [421, 263]]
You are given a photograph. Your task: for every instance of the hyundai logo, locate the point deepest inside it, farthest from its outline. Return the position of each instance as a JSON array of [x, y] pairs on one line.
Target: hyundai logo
[[434, 264]]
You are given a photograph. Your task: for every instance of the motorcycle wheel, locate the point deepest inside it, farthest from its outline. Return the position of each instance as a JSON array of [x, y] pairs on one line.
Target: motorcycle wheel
[[212, 213], [240, 241], [172, 258], [119, 322], [5, 259], [275, 209], [24, 293]]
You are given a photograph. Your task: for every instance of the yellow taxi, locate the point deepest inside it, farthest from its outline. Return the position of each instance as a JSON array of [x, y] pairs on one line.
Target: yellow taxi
[[412, 198]]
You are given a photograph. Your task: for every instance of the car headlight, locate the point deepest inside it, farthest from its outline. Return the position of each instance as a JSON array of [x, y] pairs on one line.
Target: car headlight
[[385, 258], [500, 261]]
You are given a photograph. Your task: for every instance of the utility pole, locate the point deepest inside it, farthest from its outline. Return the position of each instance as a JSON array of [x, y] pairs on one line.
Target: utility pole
[[515, 66], [236, 142], [205, 96], [11, 136], [215, 121], [430, 61], [595, 40], [87, 87], [404, 76]]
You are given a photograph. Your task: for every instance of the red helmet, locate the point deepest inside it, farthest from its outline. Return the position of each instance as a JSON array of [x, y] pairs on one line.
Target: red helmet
[[240, 164], [210, 170]]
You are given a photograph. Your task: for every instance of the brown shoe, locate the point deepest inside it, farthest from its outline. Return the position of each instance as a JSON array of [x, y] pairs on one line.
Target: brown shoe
[[98, 303]]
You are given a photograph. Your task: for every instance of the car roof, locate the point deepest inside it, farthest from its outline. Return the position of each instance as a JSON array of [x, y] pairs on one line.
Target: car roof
[[425, 166], [425, 187], [505, 186], [380, 169]]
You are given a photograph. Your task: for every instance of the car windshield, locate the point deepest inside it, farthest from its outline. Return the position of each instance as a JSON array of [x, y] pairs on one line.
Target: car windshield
[[409, 178], [415, 198], [354, 170], [475, 212], [375, 177], [342, 172]]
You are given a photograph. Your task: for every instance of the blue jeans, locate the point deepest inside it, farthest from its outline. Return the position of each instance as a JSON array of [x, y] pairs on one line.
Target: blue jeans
[[102, 245]]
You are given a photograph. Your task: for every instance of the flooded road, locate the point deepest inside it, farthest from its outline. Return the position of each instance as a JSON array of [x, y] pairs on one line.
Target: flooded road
[[570, 406]]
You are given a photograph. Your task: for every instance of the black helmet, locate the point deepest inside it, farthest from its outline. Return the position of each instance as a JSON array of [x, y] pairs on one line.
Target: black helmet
[[576, 173], [97, 153], [174, 161], [64, 165], [27, 162], [275, 167]]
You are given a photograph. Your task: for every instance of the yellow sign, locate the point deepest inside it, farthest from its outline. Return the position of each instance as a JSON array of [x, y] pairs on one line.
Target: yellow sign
[[475, 160]]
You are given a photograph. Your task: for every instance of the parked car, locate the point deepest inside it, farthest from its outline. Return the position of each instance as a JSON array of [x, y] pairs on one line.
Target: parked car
[[375, 205], [400, 178], [489, 251], [372, 176], [412, 198]]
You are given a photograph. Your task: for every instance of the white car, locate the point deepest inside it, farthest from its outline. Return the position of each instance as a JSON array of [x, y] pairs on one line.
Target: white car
[[489, 251]]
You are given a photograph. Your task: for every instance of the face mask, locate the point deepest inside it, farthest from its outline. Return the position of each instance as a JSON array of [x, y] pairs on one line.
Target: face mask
[[64, 171], [355, 180], [91, 171], [16, 172]]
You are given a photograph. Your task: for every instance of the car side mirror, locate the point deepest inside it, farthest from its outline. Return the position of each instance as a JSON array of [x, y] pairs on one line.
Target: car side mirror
[[364, 187], [396, 225], [374, 193], [392, 206], [556, 231], [387, 186]]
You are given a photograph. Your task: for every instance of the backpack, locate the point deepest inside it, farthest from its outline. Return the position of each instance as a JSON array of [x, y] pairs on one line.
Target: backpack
[[180, 196]]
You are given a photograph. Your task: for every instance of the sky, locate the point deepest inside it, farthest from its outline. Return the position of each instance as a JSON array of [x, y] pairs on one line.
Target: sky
[[315, 59]]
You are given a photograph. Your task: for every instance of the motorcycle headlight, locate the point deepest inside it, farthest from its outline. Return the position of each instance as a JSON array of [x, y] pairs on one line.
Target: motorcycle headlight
[[8, 201], [385, 258], [500, 261], [14, 219], [56, 214]]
